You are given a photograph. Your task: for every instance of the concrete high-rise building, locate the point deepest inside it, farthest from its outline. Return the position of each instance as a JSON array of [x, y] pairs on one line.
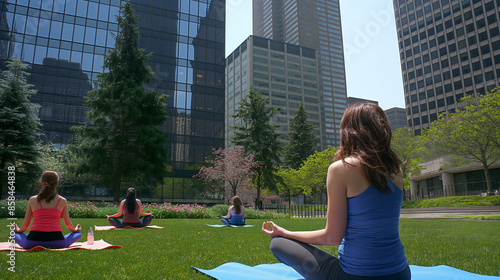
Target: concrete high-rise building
[[353, 100], [315, 25], [448, 49], [397, 117], [64, 42], [286, 74]]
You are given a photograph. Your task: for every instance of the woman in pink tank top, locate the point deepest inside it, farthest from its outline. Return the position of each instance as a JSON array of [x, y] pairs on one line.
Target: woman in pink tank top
[[132, 208], [46, 209]]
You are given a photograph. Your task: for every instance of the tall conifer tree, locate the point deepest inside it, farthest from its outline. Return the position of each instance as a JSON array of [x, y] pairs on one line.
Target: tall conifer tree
[[258, 136], [122, 143], [19, 128], [302, 140]]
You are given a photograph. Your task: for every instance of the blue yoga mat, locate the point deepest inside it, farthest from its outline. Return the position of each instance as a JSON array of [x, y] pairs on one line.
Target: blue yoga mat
[[229, 225], [233, 270], [279, 271]]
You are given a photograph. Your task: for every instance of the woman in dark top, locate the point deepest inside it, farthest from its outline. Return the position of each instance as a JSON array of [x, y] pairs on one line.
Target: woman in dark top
[[133, 208]]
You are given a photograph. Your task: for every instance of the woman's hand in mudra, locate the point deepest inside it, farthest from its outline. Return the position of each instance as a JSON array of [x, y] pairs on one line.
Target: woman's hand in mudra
[[272, 230]]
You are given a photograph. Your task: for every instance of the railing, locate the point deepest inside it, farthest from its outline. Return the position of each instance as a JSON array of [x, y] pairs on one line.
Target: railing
[[299, 211]]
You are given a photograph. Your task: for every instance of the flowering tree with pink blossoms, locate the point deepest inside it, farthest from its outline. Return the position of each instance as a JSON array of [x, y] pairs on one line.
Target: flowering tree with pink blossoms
[[230, 172]]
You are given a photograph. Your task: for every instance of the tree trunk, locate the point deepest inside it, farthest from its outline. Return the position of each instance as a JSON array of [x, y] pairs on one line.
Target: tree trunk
[[488, 179], [403, 170], [116, 189], [289, 201], [257, 200], [2, 177]]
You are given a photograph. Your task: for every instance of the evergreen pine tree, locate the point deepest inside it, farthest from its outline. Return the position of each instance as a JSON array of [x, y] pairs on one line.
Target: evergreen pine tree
[[122, 143], [258, 136], [19, 128], [302, 140]]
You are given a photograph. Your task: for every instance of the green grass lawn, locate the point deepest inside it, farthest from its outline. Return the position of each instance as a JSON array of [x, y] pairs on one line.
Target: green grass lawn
[[168, 253]]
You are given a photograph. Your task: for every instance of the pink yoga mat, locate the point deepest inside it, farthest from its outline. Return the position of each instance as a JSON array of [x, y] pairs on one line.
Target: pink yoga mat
[[99, 228], [98, 245]]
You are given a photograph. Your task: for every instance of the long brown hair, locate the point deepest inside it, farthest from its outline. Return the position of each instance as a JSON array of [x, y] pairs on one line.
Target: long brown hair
[[49, 181], [365, 134], [237, 204], [130, 200]]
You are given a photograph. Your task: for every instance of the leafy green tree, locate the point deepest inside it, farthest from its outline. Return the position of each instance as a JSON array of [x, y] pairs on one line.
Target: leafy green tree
[[487, 107], [409, 151], [302, 140], [313, 173], [19, 128], [289, 186], [122, 143], [468, 137], [259, 137]]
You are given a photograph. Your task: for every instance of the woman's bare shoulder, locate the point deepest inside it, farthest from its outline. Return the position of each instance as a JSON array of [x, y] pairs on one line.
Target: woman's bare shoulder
[[32, 200], [398, 179]]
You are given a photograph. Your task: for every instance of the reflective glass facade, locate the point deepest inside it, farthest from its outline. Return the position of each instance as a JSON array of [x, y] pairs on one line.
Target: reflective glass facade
[[448, 49], [64, 42]]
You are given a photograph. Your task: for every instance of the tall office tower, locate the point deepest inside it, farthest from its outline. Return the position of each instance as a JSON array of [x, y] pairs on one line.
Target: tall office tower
[[449, 49], [353, 100], [315, 25], [64, 42], [284, 73], [397, 117]]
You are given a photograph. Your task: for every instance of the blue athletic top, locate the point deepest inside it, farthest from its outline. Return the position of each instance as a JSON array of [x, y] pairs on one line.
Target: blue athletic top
[[371, 244], [236, 219]]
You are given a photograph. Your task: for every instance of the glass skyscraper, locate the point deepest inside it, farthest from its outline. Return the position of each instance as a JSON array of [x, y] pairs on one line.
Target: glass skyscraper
[[64, 42], [448, 49], [315, 25]]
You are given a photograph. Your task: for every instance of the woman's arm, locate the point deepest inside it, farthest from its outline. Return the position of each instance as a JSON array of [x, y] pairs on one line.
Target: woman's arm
[[120, 211], [140, 209], [228, 216], [65, 216], [336, 220], [27, 217], [243, 212]]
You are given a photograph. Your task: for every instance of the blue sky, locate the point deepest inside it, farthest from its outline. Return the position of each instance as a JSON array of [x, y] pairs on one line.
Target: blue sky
[[373, 69]]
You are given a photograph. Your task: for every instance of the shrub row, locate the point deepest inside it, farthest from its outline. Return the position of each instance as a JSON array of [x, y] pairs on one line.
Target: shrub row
[[454, 201], [88, 209]]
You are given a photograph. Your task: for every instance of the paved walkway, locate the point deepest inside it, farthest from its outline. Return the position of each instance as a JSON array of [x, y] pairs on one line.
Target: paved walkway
[[438, 213]]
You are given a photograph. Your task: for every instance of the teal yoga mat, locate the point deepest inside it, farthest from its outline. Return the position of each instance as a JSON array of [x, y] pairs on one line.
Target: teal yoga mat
[[279, 271]]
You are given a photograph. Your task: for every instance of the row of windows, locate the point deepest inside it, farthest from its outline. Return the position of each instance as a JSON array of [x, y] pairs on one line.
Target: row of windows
[[465, 67], [293, 77], [89, 62], [457, 85], [84, 9], [440, 102], [419, 14], [452, 47], [280, 46], [458, 19], [450, 35]]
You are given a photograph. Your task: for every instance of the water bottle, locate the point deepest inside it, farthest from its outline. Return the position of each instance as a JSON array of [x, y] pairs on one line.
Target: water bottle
[[90, 237]]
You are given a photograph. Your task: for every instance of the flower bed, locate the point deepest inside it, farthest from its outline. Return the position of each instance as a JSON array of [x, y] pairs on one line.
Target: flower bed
[[93, 209]]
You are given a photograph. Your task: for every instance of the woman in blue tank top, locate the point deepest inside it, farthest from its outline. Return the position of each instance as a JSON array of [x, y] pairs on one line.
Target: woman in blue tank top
[[235, 214], [365, 192]]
